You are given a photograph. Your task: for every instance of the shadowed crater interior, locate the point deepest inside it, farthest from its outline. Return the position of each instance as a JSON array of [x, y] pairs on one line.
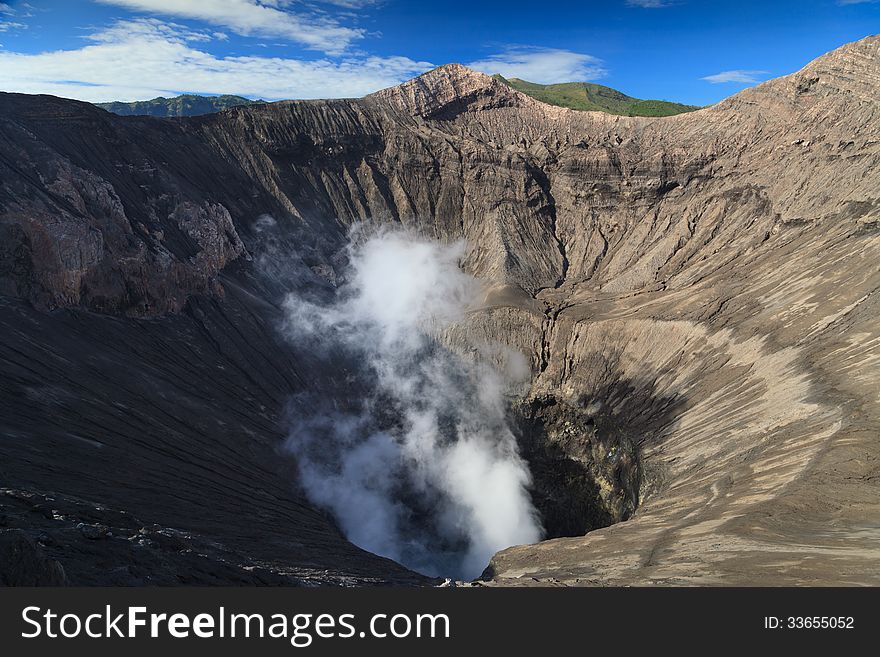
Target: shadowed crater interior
[[584, 455]]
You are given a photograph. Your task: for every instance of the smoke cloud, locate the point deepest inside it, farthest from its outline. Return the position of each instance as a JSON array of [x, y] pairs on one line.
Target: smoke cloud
[[404, 441]]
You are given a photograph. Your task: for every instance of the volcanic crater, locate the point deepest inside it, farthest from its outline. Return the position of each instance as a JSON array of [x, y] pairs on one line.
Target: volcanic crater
[[694, 296]]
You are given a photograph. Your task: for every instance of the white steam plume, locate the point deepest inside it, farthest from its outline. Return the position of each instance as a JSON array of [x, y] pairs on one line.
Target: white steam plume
[[410, 448]]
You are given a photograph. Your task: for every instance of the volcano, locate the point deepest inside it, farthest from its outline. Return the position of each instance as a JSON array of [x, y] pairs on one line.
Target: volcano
[[695, 297]]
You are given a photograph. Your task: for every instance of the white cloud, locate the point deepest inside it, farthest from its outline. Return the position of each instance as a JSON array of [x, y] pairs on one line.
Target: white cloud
[[142, 59], [543, 65], [24, 10], [648, 4], [352, 4], [739, 75], [255, 18], [11, 25], [148, 28]]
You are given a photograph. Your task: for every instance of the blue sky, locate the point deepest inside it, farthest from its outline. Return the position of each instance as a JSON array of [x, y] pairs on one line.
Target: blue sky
[[692, 51]]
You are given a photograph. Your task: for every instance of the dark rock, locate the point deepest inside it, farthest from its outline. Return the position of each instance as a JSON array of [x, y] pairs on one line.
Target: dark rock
[[23, 563], [93, 532]]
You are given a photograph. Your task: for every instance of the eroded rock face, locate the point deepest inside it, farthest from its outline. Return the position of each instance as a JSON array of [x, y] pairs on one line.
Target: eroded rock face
[[705, 283]]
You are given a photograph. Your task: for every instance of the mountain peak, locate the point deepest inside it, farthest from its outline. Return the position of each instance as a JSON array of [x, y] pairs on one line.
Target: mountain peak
[[852, 67], [456, 74], [437, 88]]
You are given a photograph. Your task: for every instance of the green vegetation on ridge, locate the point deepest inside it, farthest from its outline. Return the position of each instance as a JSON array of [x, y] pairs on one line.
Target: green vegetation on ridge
[[185, 105], [592, 97]]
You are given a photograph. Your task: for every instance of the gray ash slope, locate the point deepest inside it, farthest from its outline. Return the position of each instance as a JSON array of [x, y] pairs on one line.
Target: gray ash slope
[[704, 283]]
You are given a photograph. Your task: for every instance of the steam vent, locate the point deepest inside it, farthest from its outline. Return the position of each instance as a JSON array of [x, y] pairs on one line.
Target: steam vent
[[691, 301]]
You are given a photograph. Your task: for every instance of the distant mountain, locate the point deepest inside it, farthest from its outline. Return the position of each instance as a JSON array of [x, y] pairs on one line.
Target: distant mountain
[[596, 98], [186, 105]]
